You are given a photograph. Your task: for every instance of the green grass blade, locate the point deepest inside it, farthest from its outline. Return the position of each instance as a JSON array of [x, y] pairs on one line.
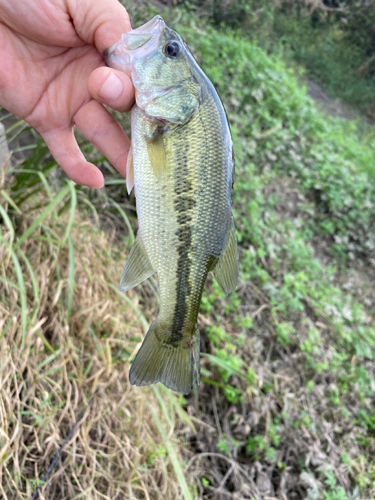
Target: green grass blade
[[10, 227], [172, 455], [162, 404], [24, 148], [47, 187], [7, 221], [22, 291], [175, 402], [45, 341], [10, 283], [2, 118], [112, 182], [18, 270], [46, 212], [33, 282], [14, 126], [70, 277], [130, 302], [11, 202], [126, 219], [73, 205], [82, 198], [48, 360], [23, 297], [21, 129], [224, 365]]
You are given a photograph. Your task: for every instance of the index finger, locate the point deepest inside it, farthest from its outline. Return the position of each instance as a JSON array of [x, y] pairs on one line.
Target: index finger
[[99, 23]]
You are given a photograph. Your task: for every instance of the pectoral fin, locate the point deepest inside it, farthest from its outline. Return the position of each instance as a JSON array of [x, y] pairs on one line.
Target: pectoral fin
[[177, 105], [226, 269], [130, 171], [156, 152], [138, 267]]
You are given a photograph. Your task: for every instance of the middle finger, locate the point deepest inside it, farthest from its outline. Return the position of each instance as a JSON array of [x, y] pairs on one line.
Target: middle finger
[[105, 133]]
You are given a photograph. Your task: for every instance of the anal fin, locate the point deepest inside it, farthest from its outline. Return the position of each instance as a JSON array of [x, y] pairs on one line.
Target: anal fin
[[226, 269], [138, 267]]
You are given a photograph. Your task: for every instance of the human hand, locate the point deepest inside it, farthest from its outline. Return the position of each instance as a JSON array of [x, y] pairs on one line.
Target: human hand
[[53, 76]]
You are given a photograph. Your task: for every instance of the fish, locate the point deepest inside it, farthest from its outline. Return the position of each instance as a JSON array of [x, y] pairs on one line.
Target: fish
[[181, 165]]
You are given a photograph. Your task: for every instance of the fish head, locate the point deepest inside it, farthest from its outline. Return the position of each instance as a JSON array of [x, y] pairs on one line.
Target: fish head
[[161, 68]]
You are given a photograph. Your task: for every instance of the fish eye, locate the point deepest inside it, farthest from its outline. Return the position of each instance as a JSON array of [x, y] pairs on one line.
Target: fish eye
[[171, 49]]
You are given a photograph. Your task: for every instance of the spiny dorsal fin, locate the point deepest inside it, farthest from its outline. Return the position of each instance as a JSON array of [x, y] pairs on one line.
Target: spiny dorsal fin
[[138, 267], [226, 270], [156, 152]]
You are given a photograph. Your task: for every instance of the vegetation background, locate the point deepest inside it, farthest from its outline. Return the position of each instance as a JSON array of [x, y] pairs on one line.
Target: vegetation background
[[286, 408]]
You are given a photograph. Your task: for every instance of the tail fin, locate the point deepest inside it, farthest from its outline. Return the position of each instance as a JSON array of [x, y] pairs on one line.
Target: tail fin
[[160, 361]]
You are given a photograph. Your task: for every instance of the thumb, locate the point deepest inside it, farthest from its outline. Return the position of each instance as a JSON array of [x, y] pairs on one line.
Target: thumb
[[97, 22]]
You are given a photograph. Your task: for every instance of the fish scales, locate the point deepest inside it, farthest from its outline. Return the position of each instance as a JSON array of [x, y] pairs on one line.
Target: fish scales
[[181, 217], [184, 217]]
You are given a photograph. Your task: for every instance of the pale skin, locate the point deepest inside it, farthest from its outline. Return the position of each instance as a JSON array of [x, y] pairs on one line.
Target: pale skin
[[53, 76]]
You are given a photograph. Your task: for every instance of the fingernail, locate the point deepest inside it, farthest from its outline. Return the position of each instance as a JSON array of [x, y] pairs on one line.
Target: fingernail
[[112, 88]]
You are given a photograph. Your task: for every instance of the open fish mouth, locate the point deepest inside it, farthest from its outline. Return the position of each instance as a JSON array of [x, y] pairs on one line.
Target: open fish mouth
[[138, 43]]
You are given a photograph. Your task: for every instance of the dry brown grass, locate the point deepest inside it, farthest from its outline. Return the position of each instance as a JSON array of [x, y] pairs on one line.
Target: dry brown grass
[[66, 329], [50, 364]]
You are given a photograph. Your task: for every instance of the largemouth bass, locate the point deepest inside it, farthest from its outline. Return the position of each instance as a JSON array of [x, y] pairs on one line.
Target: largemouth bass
[[182, 166]]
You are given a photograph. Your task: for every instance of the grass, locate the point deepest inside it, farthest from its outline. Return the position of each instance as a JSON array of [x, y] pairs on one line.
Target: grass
[[301, 324], [285, 407], [64, 330]]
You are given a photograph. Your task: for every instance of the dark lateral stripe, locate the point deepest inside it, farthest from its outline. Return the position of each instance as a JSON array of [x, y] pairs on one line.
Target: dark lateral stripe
[[183, 204]]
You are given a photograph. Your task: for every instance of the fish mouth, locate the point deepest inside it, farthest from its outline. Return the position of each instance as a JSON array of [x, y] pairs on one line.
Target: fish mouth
[[133, 44]]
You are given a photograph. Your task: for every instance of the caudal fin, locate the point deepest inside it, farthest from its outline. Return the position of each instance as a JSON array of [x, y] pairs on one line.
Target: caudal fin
[[160, 361]]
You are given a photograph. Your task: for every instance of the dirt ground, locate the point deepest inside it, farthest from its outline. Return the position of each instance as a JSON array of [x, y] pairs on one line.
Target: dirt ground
[[329, 105]]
